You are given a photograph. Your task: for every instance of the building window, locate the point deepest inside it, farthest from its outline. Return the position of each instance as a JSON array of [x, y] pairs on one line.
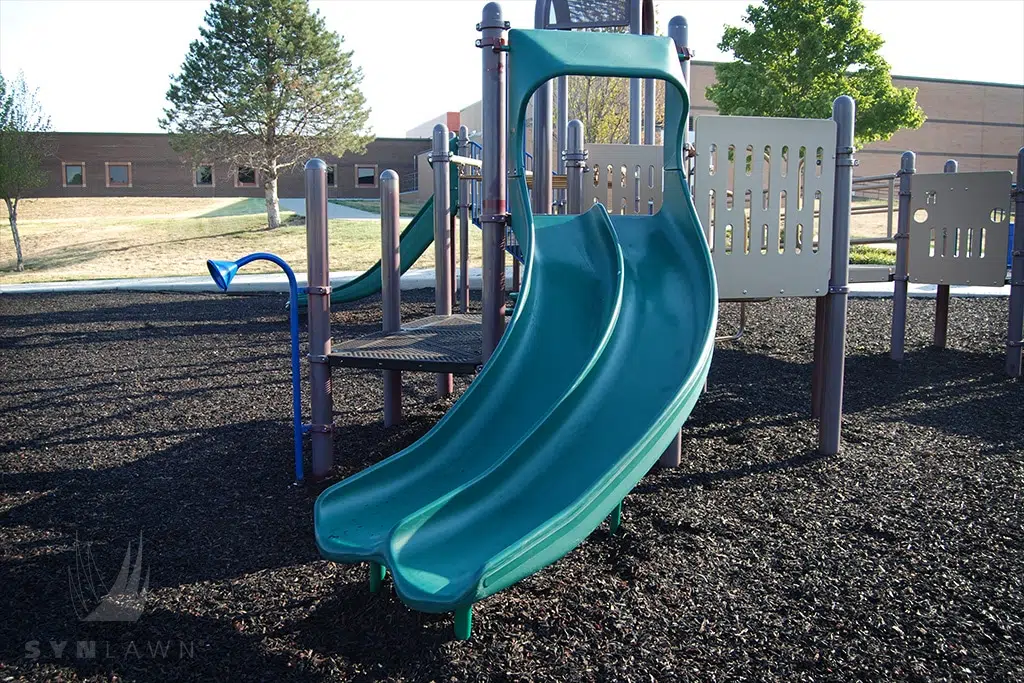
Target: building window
[[366, 176], [246, 177], [119, 174], [203, 176], [332, 175], [74, 174]]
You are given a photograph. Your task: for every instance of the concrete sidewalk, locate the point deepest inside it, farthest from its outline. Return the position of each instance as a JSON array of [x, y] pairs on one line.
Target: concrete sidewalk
[[333, 210], [422, 278]]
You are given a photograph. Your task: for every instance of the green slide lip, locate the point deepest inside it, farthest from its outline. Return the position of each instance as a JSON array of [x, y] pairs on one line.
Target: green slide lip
[[606, 354], [413, 241]]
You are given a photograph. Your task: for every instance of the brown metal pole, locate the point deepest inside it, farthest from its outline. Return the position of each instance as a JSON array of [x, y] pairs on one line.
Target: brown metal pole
[[942, 292], [318, 279], [391, 290], [678, 32], [830, 421], [941, 316], [492, 27], [440, 158], [901, 278], [452, 260], [464, 192]]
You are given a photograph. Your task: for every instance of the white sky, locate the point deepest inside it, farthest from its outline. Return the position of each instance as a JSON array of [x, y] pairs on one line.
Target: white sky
[[103, 65]]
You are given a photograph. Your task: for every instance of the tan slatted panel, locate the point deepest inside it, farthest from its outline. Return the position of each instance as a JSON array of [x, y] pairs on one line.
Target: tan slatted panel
[[627, 179], [954, 239], [770, 230]]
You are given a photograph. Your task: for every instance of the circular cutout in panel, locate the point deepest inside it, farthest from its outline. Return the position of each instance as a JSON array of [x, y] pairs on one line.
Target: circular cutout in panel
[[920, 216], [997, 215]]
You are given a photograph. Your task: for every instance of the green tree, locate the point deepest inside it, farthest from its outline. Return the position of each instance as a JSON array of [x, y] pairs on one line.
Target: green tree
[[799, 56], [24, 143], [265, 87], [602, 104]]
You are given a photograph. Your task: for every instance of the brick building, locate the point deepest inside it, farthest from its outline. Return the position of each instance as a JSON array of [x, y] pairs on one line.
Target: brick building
[[144, 165]]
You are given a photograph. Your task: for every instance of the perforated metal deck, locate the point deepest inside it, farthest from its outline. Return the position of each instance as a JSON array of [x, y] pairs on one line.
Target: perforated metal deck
[[439, 343]]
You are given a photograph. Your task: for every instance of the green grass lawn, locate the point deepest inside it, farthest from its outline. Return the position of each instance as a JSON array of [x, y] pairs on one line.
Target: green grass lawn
[[407, 206], [99, 238], [178, 241], [862, 255]]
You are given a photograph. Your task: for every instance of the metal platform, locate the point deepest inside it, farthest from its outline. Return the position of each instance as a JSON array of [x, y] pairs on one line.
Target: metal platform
[[439, 343]]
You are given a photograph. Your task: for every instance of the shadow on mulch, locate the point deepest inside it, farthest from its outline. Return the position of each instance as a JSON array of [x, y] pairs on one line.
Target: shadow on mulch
[[952, 390], [168, 415]]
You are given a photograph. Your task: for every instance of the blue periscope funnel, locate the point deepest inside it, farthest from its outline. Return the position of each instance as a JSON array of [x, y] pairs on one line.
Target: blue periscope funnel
[[222, 272]]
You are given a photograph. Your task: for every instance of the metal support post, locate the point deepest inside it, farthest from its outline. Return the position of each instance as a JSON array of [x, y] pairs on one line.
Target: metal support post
[[390, 287], [440, 158], [902, 277], [1015, 334], [541, 194], [649, 112], [635, 27], [673, 454], [679, 32], [464, 191], [562, 116], [493, 219], [834, 352], [318, 279], [452, 253], [942, 291], [542, 144], [575, 167]]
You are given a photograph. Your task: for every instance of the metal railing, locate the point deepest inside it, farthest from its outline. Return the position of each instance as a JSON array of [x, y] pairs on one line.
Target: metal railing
[[880, 191]]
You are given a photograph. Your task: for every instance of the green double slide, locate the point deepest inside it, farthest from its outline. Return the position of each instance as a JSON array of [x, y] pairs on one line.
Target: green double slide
[[603, 360], [414, 240]]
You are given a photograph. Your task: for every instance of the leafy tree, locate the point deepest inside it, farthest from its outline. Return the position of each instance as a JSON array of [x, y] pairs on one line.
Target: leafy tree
[[24, 143], [265, 87], [802, 54], [602, 104]]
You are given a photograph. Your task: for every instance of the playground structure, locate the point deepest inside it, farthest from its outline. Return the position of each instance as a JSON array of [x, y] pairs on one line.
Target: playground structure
[[468, 509], [953, 229], [462, 483]]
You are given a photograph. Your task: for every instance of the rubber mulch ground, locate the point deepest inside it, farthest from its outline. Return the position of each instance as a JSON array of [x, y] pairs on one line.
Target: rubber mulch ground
[[166, 416]]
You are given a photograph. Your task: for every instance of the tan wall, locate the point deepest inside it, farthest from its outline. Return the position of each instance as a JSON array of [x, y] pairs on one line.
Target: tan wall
[[981, 125]]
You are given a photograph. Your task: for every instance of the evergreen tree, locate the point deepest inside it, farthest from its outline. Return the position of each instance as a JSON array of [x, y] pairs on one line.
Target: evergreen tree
[[265, 87]]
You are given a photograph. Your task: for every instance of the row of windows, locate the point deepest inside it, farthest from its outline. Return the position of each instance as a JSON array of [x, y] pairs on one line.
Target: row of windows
[[119, 174]]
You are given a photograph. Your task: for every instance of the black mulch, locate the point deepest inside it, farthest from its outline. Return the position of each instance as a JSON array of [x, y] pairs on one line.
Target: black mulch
[[168, 416]]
